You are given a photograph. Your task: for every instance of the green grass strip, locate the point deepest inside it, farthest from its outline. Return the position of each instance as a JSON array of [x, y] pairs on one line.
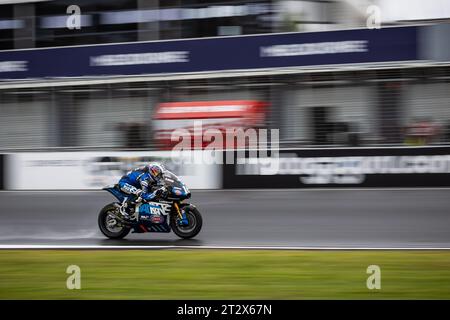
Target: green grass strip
[[224, 274]]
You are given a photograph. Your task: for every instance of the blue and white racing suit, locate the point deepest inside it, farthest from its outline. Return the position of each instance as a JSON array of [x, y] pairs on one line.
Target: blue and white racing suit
[[138, 182]]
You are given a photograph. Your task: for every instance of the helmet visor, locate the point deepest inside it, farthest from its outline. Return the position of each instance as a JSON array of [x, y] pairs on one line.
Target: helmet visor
[[156, 172]]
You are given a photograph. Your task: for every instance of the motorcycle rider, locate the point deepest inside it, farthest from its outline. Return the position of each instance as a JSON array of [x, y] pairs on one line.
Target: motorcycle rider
[[142, 183]]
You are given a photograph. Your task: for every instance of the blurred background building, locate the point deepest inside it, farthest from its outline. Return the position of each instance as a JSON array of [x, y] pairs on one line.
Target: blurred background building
[[340, 105]]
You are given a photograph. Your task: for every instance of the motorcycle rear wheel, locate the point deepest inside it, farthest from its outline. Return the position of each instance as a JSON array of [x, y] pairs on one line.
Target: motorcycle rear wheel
[[109, 225]]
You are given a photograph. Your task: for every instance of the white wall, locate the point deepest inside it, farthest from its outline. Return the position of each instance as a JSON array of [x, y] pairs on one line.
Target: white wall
[[94, 170]]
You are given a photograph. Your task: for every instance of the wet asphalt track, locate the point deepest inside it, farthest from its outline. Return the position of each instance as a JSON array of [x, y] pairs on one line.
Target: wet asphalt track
[[322, 218]]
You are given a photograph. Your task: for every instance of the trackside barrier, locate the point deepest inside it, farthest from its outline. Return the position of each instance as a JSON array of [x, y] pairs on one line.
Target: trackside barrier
[[292, 168], [339, 167], [94, 170], [2, 175]]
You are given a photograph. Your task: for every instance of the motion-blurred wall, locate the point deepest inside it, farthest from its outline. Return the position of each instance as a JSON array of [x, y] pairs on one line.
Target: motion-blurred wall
[[397, 103]]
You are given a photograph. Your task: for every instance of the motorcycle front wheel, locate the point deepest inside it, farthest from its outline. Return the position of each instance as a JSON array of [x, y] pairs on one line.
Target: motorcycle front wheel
[[109, 225], [194, 226]]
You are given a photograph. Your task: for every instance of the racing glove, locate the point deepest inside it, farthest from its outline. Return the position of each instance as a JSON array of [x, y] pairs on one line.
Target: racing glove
[[160, 192]]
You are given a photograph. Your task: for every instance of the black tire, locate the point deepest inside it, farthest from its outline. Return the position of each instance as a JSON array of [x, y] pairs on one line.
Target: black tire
[[102, 216], [193, 215]]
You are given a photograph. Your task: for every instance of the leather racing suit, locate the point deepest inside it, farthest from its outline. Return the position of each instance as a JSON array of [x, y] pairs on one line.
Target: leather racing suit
[[140, 183]]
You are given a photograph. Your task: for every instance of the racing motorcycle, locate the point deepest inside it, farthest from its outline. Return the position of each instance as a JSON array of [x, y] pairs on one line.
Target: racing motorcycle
[[167, 213]]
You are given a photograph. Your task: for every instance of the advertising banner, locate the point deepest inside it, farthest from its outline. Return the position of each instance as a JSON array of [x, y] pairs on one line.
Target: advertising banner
[[95, 170], [214, 54], [372, 167]]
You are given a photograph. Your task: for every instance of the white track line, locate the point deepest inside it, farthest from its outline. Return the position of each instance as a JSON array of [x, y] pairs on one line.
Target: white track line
[[132, 247], [309, 189]]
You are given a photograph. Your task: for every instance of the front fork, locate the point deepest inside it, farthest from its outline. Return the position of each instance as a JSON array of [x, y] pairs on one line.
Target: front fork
[[182, 219]]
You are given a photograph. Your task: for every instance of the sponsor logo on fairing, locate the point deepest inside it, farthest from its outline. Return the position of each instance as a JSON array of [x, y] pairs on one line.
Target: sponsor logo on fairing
[[177, 191], [156, 210], [156, 219], [144, 217]]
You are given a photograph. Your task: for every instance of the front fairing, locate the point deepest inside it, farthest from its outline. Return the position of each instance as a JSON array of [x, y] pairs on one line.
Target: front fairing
[[177, 190]]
